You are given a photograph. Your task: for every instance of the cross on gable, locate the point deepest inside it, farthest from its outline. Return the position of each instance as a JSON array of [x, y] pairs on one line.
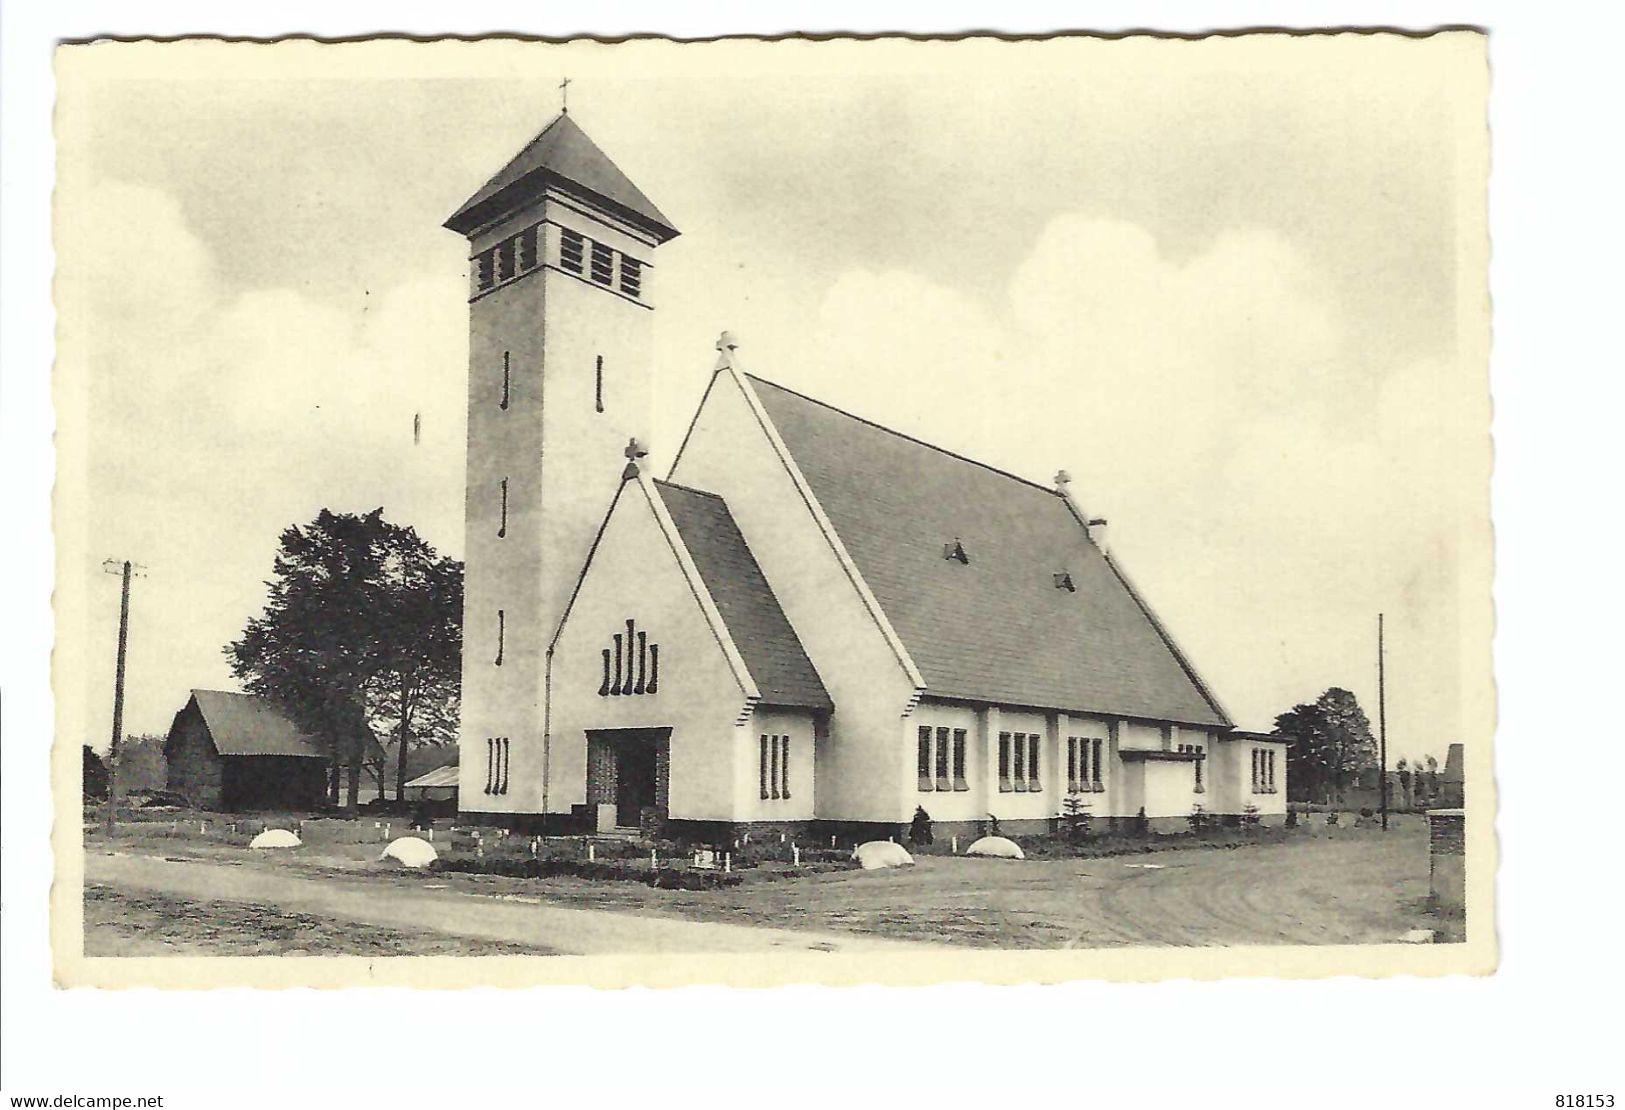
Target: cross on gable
[[634, 449], [564, 95]]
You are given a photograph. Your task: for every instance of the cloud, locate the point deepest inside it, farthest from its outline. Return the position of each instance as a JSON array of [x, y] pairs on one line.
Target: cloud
[[217, 419]]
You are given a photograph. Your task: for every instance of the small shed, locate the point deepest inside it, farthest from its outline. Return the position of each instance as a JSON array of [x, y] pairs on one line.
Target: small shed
[[438, 785], [231, 751]]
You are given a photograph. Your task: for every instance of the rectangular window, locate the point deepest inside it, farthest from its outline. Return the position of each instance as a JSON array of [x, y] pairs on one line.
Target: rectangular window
[[1018, 770], [763, 771], [631, 277], [1004, 763], [527, 249], [598, 385], [1071, 764], [924, 758], [1197, 748], [1255, 771], [784, 767], [1035, 780], [1272, 770], [572, 249], [959, 760], [501, 631], [503, 404], [485, 270], [944, 754], [505, 259], [1098, 745], [603, 264], [502, 526]]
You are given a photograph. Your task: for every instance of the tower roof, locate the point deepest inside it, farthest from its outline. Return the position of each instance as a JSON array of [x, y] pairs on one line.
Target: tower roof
[[564, 157]]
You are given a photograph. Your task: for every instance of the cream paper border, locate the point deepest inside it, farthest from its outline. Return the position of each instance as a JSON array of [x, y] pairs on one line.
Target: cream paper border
[[1461, 59]]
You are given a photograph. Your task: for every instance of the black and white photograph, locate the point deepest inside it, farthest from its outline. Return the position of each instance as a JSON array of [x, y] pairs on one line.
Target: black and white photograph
[[773, 510]]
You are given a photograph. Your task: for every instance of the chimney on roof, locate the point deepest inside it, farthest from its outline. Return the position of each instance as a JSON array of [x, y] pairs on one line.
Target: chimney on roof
[[1093, 527]]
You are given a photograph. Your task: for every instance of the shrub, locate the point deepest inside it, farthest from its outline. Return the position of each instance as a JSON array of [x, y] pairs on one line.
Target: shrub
[[1075, 819], [1141, 825]]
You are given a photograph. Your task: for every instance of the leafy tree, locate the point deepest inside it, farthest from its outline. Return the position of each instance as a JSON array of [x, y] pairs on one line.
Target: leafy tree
[[362, 629], [1333, 743], [141, 764], [95, 775]]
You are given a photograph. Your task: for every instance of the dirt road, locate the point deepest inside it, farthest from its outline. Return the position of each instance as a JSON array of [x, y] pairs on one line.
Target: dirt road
[[505, 918]]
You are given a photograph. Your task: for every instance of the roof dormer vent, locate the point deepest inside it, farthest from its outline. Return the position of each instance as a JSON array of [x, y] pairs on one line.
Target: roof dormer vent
[[955, 551], [1063, 581]]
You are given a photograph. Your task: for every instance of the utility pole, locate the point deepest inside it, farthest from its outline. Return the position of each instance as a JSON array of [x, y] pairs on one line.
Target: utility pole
[[113, 566], [1382, 727]]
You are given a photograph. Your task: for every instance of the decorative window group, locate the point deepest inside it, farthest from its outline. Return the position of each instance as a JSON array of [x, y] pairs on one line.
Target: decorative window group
[[1200, 752], [1263, 771], [1018, 763], [1085, 765], [942, 759], [775, 766], [496, 764], [590, 258], [632, 666]]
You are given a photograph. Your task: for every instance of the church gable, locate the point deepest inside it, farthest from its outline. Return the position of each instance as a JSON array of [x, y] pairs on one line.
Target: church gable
[[990, 580]]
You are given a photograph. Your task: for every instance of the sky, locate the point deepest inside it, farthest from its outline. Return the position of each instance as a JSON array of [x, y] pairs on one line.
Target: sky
[[1222, 287]]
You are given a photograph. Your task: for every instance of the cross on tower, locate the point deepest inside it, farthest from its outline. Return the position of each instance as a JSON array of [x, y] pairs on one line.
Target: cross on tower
[[564, 95]]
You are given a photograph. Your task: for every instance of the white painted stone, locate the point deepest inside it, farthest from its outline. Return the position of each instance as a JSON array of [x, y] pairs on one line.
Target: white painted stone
[[410, 851], [275, 838], [998, 847], [878, 854]]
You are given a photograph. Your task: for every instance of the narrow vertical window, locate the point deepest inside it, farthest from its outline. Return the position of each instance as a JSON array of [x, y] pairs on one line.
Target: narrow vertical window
[[923, 760], [654, 669], [643, 664], [603, 264], [505, 260], [762, 760], [598, 385], [603, 687], [501, 634], [527, 249], [1097, 746], [773, 767], [502, 527], [1199, 762], [1072, 765], [484, 271], [490, 764], [627, 683], [1255, 770], [620, 662], [959, 760], [784, 767], [1004, 763], [503, 404], [1035, 781], [631, 277], [1018, 771], [944, 753]]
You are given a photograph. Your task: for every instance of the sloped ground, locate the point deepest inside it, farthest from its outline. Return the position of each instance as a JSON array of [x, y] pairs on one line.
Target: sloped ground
[[1318, 886], [141, 923]]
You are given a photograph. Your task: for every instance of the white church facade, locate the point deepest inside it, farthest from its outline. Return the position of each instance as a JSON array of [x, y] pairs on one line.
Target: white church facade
[[813, 622]]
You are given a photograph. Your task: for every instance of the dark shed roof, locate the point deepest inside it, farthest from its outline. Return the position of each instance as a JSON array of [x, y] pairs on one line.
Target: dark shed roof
[[245, 724], [564, 157], [995, 628], [772, 652]]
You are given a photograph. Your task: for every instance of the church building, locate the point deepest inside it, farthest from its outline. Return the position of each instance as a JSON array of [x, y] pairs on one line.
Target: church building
[[812, 622]]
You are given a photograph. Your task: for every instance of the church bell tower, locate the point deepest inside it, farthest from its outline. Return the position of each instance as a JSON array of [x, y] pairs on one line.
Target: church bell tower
[[559, 380]]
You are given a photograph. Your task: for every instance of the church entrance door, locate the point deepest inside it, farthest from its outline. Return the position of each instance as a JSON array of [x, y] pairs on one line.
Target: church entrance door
[[626, 771]]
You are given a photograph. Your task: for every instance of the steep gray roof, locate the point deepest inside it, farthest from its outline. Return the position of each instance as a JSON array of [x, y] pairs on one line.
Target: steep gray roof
[[995, 628], [244, 724], [564, 157], [772, 652]]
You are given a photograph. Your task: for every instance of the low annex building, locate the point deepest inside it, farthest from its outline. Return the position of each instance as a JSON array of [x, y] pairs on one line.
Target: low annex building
[[813, 622], [233, 752]]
